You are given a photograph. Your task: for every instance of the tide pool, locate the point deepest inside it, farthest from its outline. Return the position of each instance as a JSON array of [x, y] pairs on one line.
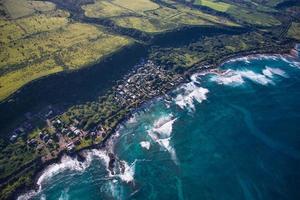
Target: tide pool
[[231, 134]]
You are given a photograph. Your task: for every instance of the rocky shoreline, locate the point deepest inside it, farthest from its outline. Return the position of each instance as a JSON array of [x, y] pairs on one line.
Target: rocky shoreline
[[113, 159]]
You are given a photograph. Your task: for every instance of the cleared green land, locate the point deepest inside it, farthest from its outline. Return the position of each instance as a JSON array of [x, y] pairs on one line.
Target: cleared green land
[[241, 13], [214, 4], [37, 40], [147, 16], [43, 44], [22, 8], [294, 31], [271, 3]]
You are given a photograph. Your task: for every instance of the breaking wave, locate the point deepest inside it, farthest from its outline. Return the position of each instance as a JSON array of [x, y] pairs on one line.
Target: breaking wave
[[73, 164], [128, 174], [161, 134], [291, 60], [237, 77], [188, 93], [132, 119], [247, 59], [145, 144], [66, 163], [164, 125], [286, 58]]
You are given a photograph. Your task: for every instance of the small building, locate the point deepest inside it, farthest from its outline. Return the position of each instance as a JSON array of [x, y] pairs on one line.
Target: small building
[[70, 146], [77, 132], [32, 143], [13, 138], [46, 138]]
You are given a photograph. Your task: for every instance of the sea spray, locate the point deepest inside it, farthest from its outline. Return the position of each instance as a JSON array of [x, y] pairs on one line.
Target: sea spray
[[247, 59], [73, 164], [270, 72], [291, 60], [238, 77], [66, 163], [64, 195], [164, 125], [216, 139], [145, 144], [188, 93], [161, 134]]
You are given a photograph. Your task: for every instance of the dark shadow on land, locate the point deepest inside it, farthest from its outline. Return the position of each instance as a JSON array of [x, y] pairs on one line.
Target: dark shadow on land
[[67, 88]]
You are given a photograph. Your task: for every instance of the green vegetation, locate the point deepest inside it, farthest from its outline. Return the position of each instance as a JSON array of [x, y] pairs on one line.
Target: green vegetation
[[18, 153], [22, 8], [147, 16], [26, 181], [241, 13], [211, 50], [294, 31], [214, 4], [39, 45], [37, 40]]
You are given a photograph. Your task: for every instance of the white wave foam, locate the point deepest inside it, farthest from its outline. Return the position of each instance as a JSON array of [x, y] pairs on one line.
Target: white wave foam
[[43, 197], [291, 60], [269, 72], [27, 195], [166, 144], [67, 163], [64, 195], [164, 125], [195, 77], [255, 77], [121, 170], [190, 93], [247, 59], [237, 77], [145, 144], [229, 77], [161, 134], [132, 119], [128, 174]]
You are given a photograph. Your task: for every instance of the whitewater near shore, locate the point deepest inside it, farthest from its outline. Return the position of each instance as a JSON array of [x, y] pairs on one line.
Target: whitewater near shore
[[151, 130]]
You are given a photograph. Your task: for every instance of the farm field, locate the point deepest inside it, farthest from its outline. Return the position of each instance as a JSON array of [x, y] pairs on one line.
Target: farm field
[[294, 31], [241, 12], [39, 45], [151, 17], [22, 8], [41, 38]]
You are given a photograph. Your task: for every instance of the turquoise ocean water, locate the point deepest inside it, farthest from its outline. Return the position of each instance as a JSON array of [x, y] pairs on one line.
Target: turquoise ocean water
[[232, 134]]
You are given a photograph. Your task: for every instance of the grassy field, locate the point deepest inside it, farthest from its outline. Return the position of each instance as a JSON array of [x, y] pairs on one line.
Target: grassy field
[[104, 9], [271, 3], [41, 44], [241, 13], [147, 16], [21, 8], [214, 4], [37, 40], [294, 31], [137, 5]]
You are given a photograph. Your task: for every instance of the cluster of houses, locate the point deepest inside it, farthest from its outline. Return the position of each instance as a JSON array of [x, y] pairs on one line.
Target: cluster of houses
[[31, 119], [145, 82]]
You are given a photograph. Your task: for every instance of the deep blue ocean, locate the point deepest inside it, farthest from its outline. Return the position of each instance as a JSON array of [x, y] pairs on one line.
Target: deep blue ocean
[[231, 134]]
